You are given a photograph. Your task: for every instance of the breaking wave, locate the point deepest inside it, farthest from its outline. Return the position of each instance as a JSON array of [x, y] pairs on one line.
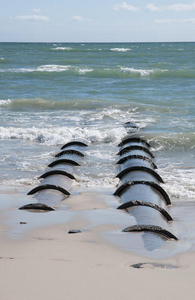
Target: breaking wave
[[98, 72], [60, 135], [120, 49]]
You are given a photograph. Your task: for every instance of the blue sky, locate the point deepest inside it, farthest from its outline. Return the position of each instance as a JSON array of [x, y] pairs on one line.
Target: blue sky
[[97, 21]]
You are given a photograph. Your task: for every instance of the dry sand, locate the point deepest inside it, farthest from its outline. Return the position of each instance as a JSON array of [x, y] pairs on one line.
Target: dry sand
[[42, 261]]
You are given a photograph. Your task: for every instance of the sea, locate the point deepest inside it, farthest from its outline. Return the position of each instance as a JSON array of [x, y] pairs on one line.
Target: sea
[[53, 93]]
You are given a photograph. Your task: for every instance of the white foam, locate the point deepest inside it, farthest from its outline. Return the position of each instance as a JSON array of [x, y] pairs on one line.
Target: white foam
[[179, 182], [19, 182], [120, 49], [104, 182], [49, 68], [43, 68], [99, 154], [84, 70], [62, 48], [5, 102], [52, 68], [19, 70], [141, 72], [115, 114], [60, 135], [62, 68]]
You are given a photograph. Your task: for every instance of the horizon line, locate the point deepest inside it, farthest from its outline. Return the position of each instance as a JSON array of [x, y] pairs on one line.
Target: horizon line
[[82, 42]]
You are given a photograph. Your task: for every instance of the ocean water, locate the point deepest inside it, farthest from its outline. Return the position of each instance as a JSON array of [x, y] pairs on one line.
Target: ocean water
[[52, 93]]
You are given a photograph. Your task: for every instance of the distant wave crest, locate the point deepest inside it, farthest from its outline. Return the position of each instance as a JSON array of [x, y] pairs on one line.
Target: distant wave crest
[[102, 72], [120, 49], [5, 102], [52, 68], [141, 72], [62, 48]]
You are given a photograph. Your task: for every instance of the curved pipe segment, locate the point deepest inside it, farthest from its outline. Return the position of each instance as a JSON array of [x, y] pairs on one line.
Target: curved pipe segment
[[69, 152], [63, 161], [126, 158], [157, 187], [48, 186], [142, 203], [133, 140], [37, 206], [151, 228], [135, 147], [131, 125], [58, 172], [140, 168], [74, 143]]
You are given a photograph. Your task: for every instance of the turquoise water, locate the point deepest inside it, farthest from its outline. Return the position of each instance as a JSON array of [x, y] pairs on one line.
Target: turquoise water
[[52, 93]]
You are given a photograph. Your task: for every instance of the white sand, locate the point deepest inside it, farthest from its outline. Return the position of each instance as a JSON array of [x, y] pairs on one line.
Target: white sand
[[48, 263]]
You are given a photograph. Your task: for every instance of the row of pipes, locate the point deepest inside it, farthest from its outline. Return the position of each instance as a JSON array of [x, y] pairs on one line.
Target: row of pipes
[[56, 182], [140, 191]]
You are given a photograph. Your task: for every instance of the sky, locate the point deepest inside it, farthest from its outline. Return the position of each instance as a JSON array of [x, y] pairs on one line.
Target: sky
[[97, 21]]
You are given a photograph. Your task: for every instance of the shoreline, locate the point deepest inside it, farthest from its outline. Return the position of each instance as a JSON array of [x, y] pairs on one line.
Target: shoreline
[[45, 262], [49, 263]]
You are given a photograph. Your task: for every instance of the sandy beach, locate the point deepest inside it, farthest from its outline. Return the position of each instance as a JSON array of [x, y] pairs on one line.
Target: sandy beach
[[40, 260]]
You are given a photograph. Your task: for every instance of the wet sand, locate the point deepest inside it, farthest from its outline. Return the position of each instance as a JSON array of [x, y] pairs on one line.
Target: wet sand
[[40, 260]]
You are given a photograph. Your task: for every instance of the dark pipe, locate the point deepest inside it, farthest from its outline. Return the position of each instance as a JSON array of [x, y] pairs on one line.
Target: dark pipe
[[133, 139], [140, 168], [124, 159], [142, 203], [69, 152], [129, 184], [151, 228], [135, 147], [59, 172], [60, 161], [130, 124], [48, 186], [39, 206], [74, 143]]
